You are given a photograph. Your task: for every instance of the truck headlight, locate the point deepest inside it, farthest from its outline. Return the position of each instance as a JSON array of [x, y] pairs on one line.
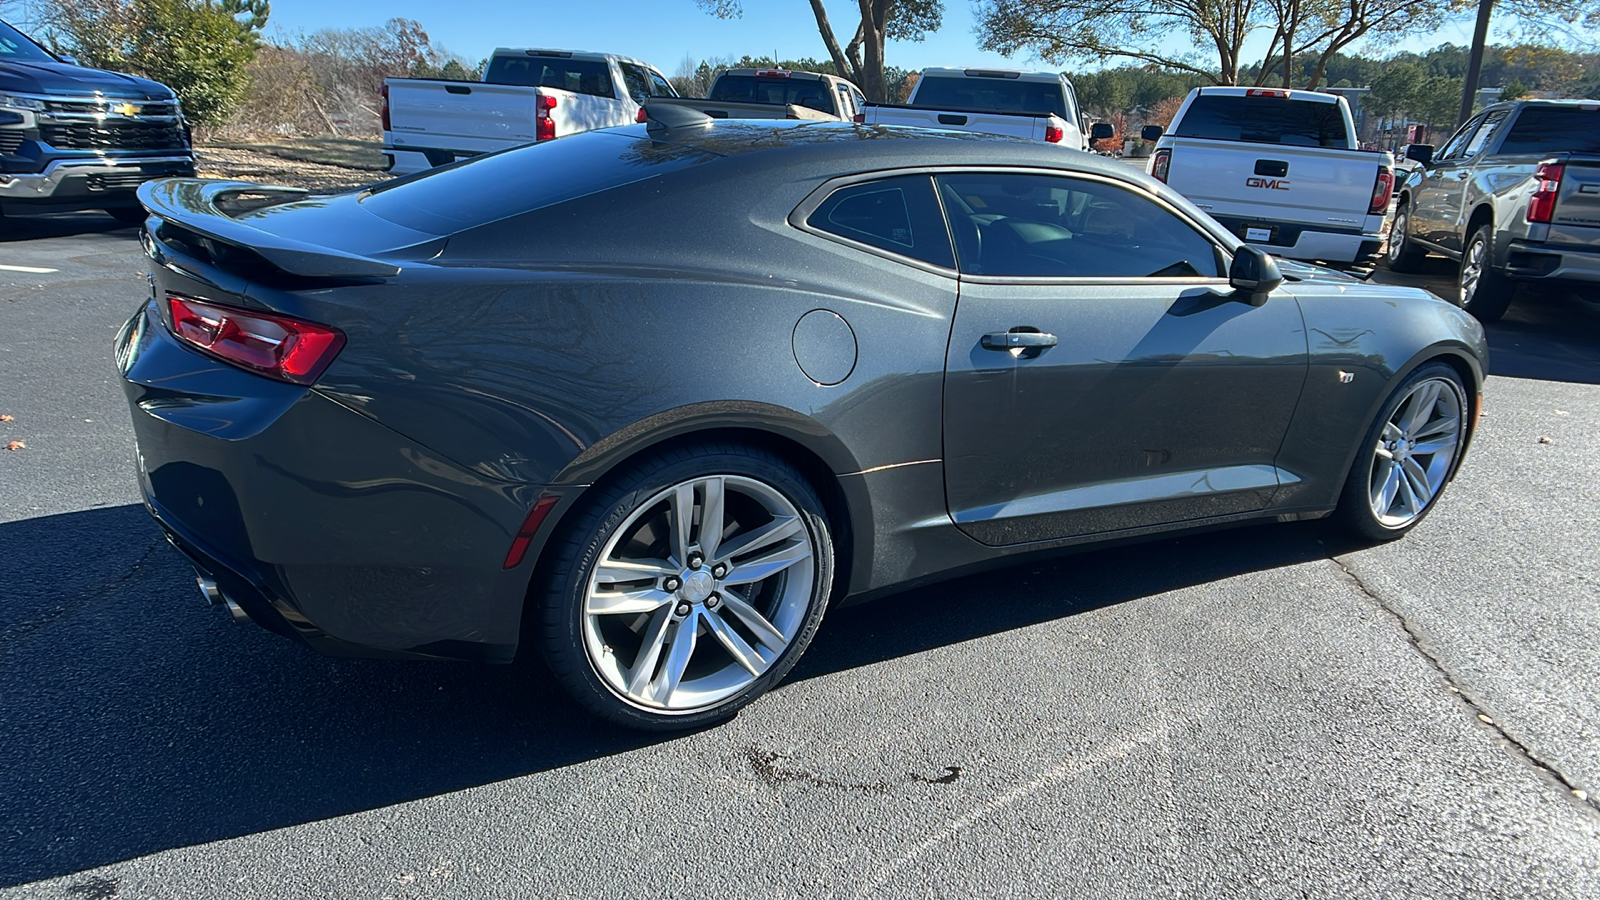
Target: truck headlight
[[12, 101]]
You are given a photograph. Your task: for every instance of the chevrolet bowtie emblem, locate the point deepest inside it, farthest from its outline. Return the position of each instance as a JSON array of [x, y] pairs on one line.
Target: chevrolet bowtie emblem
[[126, 109]]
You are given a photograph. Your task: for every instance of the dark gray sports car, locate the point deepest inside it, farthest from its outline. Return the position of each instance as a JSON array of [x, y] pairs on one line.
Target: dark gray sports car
[[650, 397]]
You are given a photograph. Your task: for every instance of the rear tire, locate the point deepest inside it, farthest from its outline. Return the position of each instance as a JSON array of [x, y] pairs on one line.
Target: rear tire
[[1401, 254], [1480, 288], [1407, 456], [655, 621]]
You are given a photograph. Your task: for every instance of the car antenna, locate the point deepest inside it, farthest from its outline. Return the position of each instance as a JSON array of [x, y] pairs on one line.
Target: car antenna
[[662, 117]]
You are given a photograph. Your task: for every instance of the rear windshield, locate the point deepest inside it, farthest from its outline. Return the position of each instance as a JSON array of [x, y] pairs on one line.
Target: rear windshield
[[581, 76], [1264, 120], [756, 89], [488, 188], [1555, 129], [979, 94], [13, 45]]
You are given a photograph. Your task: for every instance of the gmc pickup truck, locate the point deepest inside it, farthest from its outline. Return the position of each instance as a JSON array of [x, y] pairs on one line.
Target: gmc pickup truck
[[525, 96], [1037, 105], [1514, 197], [1280, 169], [777, 94], [73, 138]]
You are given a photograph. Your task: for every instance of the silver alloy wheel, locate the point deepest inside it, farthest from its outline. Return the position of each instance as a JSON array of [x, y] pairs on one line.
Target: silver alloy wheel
[[698, 593], [1471, 272], [1415, 451], [1397, 233]]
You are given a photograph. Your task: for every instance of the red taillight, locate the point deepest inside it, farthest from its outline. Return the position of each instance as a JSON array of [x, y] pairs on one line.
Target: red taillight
[[383, 108], [1542, 206], [643, 116], [276, 346], [530, 527], [859, 118], [544, 127], [1265, 92], [1053, 134], [1381, 191], [1161, 164]]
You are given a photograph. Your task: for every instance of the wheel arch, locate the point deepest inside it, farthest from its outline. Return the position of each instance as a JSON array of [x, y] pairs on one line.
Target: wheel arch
[[1456, 355], [1482, 214]]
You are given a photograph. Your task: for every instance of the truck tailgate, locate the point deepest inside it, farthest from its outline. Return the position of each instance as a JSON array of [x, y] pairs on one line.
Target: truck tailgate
[[1305, 185], [1577, 214], [460, 114], [1023, 125]]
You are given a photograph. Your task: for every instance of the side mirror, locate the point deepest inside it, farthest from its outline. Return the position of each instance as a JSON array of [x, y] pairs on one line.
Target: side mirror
[[1099, 131], [1253, 275], [1151, 133], [1422, 153], [69, 60]]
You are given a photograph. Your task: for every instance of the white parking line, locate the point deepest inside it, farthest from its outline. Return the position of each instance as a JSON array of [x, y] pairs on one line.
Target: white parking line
[[31, 270]]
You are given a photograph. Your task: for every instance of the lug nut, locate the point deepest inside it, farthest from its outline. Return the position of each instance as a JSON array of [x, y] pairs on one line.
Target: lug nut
[[682, 610], [713, 600], [671, 584], [696, 560], [719, 571]]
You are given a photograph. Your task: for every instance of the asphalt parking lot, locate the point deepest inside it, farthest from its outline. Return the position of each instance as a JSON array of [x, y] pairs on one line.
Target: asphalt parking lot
[[1271, 711]]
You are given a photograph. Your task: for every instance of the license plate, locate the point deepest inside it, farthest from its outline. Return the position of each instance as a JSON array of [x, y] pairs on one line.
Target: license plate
[[1257, 234]]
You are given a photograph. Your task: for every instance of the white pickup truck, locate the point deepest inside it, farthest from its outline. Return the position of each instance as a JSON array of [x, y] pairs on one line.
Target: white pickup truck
[[1279, 168], [525, 96], [1037, 105], [777, 94]]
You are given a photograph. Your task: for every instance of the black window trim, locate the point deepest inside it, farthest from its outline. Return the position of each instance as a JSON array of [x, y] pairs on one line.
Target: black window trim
[[801, 213]]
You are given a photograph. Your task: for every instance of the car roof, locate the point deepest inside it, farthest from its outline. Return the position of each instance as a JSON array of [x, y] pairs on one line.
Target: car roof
[[990, 72], [592, 55]]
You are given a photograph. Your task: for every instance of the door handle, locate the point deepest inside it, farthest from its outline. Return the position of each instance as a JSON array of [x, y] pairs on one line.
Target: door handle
[[1018, 340]]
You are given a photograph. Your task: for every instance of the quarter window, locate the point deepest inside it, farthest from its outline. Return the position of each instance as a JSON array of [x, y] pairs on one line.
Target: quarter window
[[898, 215], [1045, 226], [1484, 134]]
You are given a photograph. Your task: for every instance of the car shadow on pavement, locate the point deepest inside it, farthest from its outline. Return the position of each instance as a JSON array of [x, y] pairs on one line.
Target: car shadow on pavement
[[16, 229], [137, 719]]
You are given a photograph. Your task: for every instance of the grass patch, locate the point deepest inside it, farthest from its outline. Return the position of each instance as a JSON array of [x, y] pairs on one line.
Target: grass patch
[[327, 150]]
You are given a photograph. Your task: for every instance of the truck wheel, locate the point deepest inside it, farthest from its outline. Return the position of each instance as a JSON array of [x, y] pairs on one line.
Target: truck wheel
[[1402, 255], [688, 587], [1480, 289]]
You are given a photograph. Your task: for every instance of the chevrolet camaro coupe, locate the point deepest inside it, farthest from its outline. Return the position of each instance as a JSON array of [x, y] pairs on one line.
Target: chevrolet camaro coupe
[[645, 400]]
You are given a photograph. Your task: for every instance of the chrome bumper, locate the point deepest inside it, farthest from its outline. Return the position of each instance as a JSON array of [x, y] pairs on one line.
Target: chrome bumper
[[43, 186]]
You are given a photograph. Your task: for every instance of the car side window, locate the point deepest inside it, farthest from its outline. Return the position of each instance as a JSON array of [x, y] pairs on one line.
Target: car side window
[[634, 79], [1453, 146], [860, 98], [898, 215], [1047, 226], [659, 86], [1484, 134], [845, 110]]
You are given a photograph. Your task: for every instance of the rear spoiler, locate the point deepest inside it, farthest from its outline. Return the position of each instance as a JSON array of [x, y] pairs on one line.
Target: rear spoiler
[[208, 208]]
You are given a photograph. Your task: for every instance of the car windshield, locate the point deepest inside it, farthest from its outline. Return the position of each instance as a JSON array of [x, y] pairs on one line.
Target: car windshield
[[1264, 120], [489, 188], [983, 94], [1555, 129], [581, 76], [772, 89], [14, 45]]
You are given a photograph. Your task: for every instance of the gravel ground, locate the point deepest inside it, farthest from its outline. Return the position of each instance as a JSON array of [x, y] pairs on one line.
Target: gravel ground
[[244, 165]]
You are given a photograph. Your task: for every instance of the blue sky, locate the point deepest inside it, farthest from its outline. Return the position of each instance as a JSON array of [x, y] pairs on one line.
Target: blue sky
[[664, 31]]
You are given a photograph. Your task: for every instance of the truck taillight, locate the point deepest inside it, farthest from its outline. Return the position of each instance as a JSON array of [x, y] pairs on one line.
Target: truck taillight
[[280, 347], [1542, 205], [1265, 92], [1053, 134], [383, 108], [1382, 189], [1160, 165], [544, 127], [859, 118]]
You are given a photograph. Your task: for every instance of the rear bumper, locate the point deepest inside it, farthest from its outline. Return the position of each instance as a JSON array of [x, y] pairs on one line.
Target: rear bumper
[[1297, 241], [322, 524], [1543, 262], [90, 182]]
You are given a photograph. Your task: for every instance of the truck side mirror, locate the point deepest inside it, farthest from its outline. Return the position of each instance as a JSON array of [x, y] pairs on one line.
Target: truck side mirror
[[1099, 131], [1254, 274], [1151, 133], [1422, 153]]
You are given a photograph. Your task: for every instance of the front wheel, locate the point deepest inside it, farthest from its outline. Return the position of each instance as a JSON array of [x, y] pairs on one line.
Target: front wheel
[[1480, 289], [1408, 455], [690, 586], [1401, 254]]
